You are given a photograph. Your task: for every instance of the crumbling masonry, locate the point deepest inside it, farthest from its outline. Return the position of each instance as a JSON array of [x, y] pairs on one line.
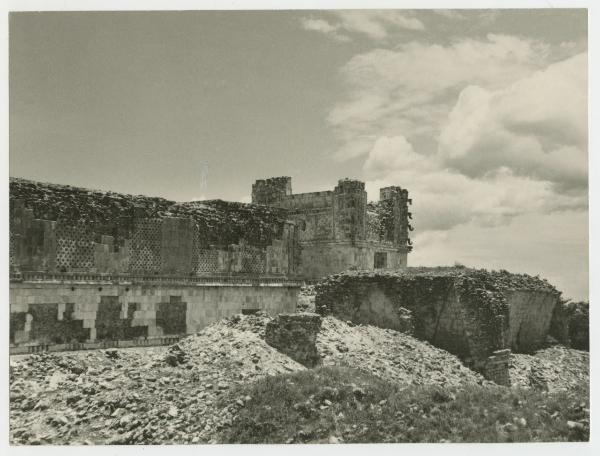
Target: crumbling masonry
[[89, 266], [339, 230], [478, 315]]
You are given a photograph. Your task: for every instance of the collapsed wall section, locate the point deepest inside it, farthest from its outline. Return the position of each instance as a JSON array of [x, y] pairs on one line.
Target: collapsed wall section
[[470, 313]]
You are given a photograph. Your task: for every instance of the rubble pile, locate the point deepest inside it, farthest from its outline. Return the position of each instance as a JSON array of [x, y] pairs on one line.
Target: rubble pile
[[391, 355], [190, 391], [149, 395], [552, 369]]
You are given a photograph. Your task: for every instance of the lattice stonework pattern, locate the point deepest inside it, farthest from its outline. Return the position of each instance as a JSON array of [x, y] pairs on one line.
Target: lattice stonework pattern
[[254, 261], [145, 246], [74, 247], [196, 248], [11, 249], [208, 261]]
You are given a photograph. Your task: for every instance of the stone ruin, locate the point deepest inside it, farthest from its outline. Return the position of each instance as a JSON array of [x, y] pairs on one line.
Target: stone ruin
[[91, 267], [338, 229], [63, 229], [478, 315], [296, 336]]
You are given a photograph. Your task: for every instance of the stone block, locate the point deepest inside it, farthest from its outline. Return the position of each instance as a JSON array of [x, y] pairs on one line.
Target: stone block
[[295, 335]]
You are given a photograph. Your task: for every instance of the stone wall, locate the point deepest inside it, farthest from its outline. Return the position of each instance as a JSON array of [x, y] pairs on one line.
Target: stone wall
[[530, 315], [496, 367], [146, 235], [579, 324], [570, 324], [320, 259], [470, 313], [46, 309], [92, 266]]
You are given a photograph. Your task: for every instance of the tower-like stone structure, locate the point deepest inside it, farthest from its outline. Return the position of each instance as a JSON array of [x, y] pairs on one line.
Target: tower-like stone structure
[[338, 229], [270, 191], [350, 208], [397, 201]]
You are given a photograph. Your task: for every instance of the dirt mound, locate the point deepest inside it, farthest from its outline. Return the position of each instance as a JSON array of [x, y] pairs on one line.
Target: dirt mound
[[552, 369]]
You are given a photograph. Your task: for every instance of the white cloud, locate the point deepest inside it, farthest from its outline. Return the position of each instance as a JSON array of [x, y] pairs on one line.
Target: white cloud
[[389, 154], [324, 27], [411, 89], [489, 136], [445, 198], [510, 145], [376, 24], [373, 24], [536, 127]]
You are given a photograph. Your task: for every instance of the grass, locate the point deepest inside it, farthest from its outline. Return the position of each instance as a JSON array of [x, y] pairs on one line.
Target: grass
[[350, 406]]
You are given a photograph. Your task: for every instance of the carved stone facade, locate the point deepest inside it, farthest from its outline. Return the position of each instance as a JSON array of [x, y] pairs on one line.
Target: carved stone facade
[[64, 229], [89, 267], [338, 229]]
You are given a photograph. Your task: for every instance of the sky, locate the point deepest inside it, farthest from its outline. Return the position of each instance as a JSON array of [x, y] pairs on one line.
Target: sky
[[480, 114]]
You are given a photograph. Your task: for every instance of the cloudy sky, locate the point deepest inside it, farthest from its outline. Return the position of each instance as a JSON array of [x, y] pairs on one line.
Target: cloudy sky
[[481, 115]]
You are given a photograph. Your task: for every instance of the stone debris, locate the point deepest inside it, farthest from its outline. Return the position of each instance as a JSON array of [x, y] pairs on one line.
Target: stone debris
[[146, 395], [187, 393], [552, 369], [391, 355]]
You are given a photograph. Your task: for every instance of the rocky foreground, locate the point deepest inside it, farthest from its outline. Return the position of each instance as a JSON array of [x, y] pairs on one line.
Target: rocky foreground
[[189, 392]]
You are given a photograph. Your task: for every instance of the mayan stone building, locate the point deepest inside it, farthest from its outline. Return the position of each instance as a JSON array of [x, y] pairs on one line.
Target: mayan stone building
[[339, 229], [89, 266]]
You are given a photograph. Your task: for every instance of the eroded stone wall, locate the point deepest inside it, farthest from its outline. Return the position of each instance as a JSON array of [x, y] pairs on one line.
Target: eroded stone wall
[[55, 228], [570, 324], [470, 313], [530, 315], [67, 310], [165, 245]]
